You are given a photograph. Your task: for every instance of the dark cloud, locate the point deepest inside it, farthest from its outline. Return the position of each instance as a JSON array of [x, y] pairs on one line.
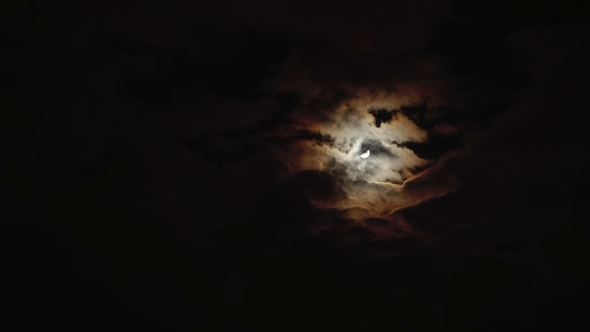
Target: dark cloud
[[446, 127], [437, 146], [184, 76], [381, 116], [181, 165], [319, 185]]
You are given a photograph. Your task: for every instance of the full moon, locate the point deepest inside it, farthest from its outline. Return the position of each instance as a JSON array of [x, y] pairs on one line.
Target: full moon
[[366, 154]]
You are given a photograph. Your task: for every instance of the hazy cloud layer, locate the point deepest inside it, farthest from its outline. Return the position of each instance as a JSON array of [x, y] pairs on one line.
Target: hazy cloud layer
[[198, 164]]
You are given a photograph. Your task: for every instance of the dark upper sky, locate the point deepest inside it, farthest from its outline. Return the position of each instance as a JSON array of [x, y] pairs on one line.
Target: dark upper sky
[[193, 165]]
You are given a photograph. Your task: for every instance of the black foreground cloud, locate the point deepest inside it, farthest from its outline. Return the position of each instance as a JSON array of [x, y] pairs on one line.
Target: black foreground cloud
[[152, 166]]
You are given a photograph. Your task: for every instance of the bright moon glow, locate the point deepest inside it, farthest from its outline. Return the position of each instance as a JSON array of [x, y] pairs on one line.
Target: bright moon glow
[[373, 185]]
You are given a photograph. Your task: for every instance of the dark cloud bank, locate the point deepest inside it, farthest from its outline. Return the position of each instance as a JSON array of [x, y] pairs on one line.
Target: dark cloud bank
[[151, 175]]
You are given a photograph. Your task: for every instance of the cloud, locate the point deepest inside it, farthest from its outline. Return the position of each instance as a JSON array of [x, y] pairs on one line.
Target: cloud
[[510, 182], [206, 162]]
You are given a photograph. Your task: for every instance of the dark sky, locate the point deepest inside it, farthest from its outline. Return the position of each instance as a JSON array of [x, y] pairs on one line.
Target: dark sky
[[194, 165]]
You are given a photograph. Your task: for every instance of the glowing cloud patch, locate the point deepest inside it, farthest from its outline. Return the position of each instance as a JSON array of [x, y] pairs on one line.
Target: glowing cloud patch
[[375, 186]]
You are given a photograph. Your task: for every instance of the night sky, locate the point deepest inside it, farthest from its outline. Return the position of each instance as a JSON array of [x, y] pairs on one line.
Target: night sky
[[196, 165]]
